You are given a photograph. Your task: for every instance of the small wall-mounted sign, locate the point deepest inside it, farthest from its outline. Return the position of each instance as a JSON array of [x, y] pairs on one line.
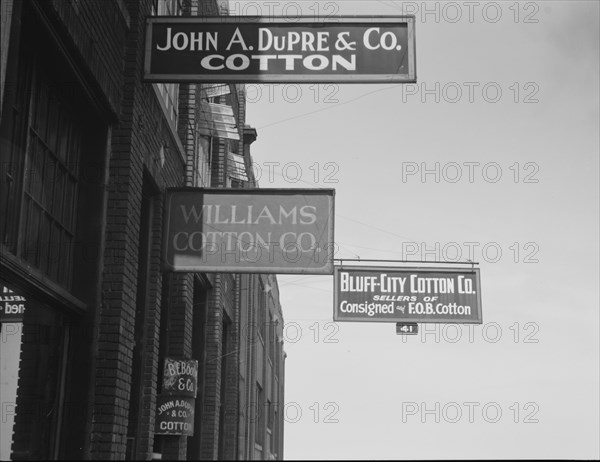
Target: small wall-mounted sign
[[180, 377]]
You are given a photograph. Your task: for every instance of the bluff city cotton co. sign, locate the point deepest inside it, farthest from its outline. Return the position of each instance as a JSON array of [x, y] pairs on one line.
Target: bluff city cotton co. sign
[[257, 49], [249, 230], [435, 295]]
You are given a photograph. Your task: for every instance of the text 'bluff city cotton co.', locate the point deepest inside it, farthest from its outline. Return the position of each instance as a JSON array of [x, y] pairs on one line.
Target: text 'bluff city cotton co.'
[[263, 50], [434, 295]]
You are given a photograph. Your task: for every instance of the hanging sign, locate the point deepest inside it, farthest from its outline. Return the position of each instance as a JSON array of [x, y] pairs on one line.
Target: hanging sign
[[180, 377], [422, 295], [213, 90], [367, 49], [175, 415], [217, 109], [12, 306], [249, 230], [176, 405]]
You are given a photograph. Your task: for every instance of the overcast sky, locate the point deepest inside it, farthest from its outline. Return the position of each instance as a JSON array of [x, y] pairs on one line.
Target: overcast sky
[[365, 393]]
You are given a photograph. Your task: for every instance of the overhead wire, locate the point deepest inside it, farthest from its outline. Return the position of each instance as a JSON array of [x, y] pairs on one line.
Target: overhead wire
[[333, 106]]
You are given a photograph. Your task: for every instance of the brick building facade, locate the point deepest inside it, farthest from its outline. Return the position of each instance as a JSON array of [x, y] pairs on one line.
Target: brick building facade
[[88, 151]]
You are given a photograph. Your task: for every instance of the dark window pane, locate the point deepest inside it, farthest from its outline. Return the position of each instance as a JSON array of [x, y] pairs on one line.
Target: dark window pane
[[47, 182], [54, 251], [74, 151], [65, 270], [41, 111], [35, 168], [52, 127], [69, 200], [59, 191], [44, 241], [63, 139], [54, 148], [30, 252]]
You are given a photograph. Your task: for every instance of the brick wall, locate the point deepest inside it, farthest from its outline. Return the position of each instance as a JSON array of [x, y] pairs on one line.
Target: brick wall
[[104, 44], [229, 409], [97, 33], [212, 374], [142, 141]]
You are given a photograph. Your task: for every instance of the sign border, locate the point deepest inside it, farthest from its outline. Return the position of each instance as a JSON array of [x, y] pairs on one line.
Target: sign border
[[436, 269], [326, 269], [283, 78]]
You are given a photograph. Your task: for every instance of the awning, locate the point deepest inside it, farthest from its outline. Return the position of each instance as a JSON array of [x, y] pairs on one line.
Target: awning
[[217, 120], [237, 167], [212, 90]]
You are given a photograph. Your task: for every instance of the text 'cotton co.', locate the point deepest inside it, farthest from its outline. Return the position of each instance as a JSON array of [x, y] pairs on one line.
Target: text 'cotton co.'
[[414, 284], [259, 230]]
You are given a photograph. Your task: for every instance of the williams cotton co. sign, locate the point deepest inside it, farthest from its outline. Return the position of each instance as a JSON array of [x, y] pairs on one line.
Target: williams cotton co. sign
[[427, 295], [269, 50], [249, 230]]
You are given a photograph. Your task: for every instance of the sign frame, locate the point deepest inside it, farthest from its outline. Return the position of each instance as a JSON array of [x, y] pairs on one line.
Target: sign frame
[[414, 319], [326, 269], [409, 20]]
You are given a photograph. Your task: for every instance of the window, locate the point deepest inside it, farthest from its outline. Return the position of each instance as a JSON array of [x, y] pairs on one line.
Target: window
[[225, 365], [41, 183], [169, 92], [50, 186], [269, 411], [202, 160], [236, 170], [272, 339], [217, 163], [277, 358], [42, 404], [272, 428], [275, 436], [194, 443], [262, 308], [259, 433], [146, 242]]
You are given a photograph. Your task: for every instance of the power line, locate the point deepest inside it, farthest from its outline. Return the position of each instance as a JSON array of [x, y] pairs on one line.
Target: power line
[[333, 106]]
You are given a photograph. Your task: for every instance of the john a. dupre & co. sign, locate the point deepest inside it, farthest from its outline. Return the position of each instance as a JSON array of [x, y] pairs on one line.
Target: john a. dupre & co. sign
[[175, 415], [260, 49], [434, 295], [176, 404], [249, 230]]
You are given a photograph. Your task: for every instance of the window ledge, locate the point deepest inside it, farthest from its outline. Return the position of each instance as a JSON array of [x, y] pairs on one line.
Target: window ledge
[[31, 280]]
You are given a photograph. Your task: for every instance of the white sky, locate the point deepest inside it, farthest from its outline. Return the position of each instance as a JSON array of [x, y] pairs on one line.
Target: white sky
[[371, 377]]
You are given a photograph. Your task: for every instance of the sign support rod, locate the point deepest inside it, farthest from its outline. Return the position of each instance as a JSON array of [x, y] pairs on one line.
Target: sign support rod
[[468, 262]]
